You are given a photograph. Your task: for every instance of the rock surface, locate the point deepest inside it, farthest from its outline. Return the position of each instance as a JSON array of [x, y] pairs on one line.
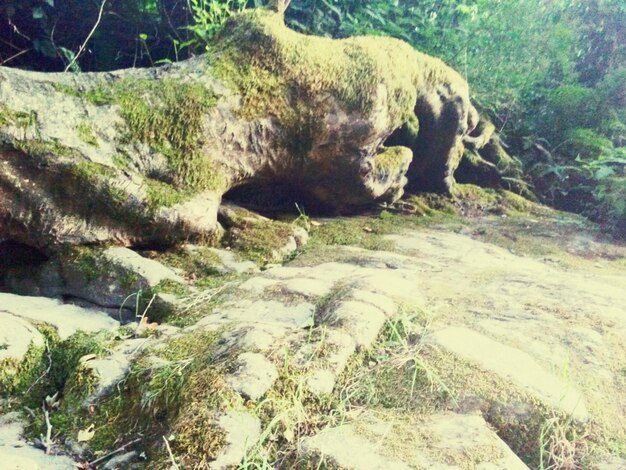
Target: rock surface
[[445, 441], [108, 278], [17, 336], [66, 319], [512, 364], [254, 376], [16, 454], [504, 341], [120, 170], [242, 432]]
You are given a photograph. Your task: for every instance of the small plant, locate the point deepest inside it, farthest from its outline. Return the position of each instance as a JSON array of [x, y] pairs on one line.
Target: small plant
[[561, 444], [303, 220], [209, 16]]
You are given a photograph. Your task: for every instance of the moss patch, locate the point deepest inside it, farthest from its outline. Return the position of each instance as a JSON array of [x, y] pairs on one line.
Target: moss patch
[[45, 148], [160, 194], [176, 389], [277, 72], [399, 375], [475, 200], [20, 119], [167, 115], [350, 69], [390, 160], [86, 134], [260, 241]]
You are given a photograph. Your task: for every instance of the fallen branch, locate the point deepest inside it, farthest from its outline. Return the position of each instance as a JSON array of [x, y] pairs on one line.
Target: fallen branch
[[169, 451], [84, 44], [48, 440], [93, 463]]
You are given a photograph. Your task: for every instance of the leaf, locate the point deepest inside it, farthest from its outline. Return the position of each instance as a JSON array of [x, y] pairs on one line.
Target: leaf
[[50, 2], [87, 358], [44, 47], [144, 324], [38, 13], [53, 401], [87, 434], [604, 172]]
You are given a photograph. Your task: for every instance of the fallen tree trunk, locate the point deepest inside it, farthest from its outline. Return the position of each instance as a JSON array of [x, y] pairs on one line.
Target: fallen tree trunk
[[143, 156]]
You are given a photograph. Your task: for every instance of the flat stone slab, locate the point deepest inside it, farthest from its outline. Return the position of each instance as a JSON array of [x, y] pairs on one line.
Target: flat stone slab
[[17, 336], [446, 441], [466, 441], [66, 318], [513, 365], [16, 454], [231, 264], [360, 320], [242, 432], [254, 376], [345, 447], [264, 312], [151, 271]]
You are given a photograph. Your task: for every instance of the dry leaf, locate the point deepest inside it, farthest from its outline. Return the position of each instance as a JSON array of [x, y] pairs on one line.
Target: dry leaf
[[53, 401], [368, 229], [315, 223], [87, 358], [289, 435], [85, 435], [145, 324]]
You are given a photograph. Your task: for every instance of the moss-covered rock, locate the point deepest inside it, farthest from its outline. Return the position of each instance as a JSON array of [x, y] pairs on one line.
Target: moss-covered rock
[[266, 105]]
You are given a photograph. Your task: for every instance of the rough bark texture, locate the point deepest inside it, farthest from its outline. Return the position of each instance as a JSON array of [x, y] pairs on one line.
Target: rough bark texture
[[144, 156]]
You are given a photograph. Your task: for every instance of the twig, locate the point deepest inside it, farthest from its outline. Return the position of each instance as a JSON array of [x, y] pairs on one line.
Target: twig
[[169, 451], [46, 372], [30, 412], [205, 296], [93, 463], [84, 44], [14, 56], [143, 315], [48, 442]]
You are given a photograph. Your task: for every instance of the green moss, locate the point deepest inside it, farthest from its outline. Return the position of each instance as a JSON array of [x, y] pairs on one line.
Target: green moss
[[390, 160], [86, 134], [16, 376], [67, 90], [100, 95], [177, 389], [43, 148], [93, 177], [476, 194], [168, 286], [20, 119], [160, 194], [486, 200], [165, 114], [66, 372], [261, 241], [122, 161], [196, 263], [87, 261], [95, 267], [273, 67]]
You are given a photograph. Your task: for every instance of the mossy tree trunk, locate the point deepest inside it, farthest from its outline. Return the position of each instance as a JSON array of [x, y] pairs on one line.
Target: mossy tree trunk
[[144, 156]]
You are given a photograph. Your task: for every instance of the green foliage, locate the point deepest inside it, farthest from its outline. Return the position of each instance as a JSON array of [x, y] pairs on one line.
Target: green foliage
[[210, 15]]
